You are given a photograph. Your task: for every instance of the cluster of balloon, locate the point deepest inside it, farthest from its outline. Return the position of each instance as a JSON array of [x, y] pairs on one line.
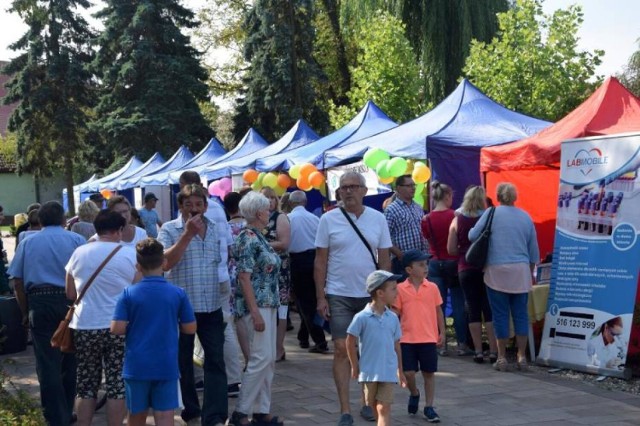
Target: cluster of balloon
[[106, 193], [421, 173], [279, 182], [307, 177], [220, 187]]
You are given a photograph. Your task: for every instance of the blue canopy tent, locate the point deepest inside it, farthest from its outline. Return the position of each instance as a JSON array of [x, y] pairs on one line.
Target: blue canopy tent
[[450, 136], [369, 121], [181, 157], [299, 135], [250, 143], [155, 161], [208, 154], [94, 186]]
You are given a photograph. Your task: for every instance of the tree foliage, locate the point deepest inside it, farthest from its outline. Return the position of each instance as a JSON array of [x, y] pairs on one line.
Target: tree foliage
[[279, 87], [51, 86], [630, 77], [534, 66], [385, 72], [151, 77], [440, 32]]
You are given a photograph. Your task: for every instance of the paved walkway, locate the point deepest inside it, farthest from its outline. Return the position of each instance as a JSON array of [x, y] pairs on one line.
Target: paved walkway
[[466, 394]]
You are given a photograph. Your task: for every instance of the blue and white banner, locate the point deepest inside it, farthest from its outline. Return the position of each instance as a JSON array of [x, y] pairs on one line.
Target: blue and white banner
[[596, 256]]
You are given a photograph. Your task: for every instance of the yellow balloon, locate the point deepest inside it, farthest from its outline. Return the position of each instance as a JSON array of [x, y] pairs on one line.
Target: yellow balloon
[[421, 174], [386, 181], [410, 165], [294, 171], [279, 190]]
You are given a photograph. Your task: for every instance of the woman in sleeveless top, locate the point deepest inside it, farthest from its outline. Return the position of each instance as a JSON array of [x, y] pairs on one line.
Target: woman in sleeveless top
[[472, 278]]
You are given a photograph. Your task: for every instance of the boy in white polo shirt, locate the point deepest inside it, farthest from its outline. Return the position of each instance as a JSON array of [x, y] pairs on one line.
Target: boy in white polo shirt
[[377, 330]]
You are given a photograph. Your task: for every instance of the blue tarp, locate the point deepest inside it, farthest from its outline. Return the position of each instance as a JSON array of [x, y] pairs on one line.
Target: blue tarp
[[209, 154], [299, 135], [153, 162], [132, 165], [450, 136], [250, 143], [181, 157], [369, 121]]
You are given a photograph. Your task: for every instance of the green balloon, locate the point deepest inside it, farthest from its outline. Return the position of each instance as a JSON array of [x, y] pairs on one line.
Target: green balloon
[[397, 166], [260, 177], [270, 180], [256, 186], [419, 199], [382, 169], [374, 156], [419, 188]]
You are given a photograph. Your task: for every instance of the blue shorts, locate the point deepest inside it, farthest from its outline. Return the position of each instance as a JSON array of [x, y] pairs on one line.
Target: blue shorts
[[161, 395], [423, 354]]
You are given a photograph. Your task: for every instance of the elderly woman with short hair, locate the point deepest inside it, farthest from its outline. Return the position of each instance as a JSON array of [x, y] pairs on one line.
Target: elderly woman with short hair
[[87, 213], [131, 234], [257, 302], [508, 274]]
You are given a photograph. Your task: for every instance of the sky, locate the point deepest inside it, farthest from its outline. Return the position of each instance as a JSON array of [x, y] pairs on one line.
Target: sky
[[609, 25]]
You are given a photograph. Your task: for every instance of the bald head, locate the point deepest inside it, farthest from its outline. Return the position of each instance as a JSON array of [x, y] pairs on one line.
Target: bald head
[[298, 198]]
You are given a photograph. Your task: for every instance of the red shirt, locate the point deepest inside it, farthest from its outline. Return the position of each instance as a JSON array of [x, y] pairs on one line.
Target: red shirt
[[438, 222]]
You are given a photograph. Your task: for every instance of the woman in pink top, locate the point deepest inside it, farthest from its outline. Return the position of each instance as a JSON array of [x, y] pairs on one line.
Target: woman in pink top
[[472, 278], [443, 267]]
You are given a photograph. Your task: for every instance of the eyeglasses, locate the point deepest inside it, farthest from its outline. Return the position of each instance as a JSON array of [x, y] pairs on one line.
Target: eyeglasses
[[408, 185], [350, 187]]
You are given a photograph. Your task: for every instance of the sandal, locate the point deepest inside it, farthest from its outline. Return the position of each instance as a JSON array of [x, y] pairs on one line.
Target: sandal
[[522, 364], [501, 364], [493, 357], [478, 358]]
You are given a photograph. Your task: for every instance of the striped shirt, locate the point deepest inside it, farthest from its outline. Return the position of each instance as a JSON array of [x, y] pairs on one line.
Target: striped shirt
[[197, 270]]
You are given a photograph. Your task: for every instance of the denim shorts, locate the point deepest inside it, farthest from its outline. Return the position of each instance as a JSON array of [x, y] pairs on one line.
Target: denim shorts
[[342, 309], [423, 356], [161, 395]]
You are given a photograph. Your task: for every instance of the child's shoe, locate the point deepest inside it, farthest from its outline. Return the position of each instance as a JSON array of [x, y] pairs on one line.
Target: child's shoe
[[431, 415], [414, 403]]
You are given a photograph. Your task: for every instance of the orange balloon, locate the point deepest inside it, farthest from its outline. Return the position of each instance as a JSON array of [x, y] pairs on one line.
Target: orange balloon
[[250, 176], [284, 181], [316, 179], [307, 168], [303, 183], [106, 193]]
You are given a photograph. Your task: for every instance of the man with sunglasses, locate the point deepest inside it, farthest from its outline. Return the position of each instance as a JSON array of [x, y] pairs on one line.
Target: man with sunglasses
[[343, 262], [403, 217]]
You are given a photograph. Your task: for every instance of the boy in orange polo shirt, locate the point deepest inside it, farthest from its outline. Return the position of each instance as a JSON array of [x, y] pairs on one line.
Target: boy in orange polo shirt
[[419, 306]]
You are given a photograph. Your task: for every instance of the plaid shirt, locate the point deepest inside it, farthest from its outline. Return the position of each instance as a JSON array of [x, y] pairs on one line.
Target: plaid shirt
[[197, 271], [404, 225]]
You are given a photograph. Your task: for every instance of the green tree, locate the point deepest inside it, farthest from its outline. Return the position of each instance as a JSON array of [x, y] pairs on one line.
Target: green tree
[[439, 31], [9, 147], [630, 77], [534, 66], [151, 79], [386, 72], [279, 87], [52, 86]]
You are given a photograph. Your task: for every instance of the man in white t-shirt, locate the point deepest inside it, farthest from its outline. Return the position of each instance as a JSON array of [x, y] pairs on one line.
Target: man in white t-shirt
[[342, 265]]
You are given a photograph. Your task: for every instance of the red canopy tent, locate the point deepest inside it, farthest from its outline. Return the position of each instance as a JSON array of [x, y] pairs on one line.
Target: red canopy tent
[[533, 163]]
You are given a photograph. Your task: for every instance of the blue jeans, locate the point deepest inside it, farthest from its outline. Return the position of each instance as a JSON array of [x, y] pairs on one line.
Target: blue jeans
[[56, 370], [215, 406], [504, 303], [445, 274]]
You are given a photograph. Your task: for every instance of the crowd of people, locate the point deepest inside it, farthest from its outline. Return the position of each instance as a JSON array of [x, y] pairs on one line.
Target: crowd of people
[[224, 274]]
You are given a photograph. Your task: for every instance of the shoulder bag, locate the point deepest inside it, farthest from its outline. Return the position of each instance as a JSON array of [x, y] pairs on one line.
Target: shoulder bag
[[63, 336], [362, 238], [478, 250]]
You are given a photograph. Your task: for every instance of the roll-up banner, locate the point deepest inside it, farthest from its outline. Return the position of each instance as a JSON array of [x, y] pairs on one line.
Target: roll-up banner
[[596, 256], [370, 176]]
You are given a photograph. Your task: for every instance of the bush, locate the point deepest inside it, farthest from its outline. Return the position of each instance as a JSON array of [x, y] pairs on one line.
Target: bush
[[16, 406]]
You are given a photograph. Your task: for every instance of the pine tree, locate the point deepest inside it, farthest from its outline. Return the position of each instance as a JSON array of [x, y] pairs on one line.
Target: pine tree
[[151, 79], [52, 86], [279, 84]]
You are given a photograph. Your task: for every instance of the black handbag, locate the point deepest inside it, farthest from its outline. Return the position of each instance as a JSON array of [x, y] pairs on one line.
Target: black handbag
[[478, 251]]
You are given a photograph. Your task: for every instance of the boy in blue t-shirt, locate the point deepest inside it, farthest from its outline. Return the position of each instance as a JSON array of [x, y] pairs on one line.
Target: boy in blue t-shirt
[[149, 313], [376, 330]]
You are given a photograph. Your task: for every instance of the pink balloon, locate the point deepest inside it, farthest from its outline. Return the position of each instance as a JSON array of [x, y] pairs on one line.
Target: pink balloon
[[225, 184], [213, 187]]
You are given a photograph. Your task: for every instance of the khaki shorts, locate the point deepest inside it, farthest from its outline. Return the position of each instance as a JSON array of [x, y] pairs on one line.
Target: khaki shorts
[[378, 391]]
